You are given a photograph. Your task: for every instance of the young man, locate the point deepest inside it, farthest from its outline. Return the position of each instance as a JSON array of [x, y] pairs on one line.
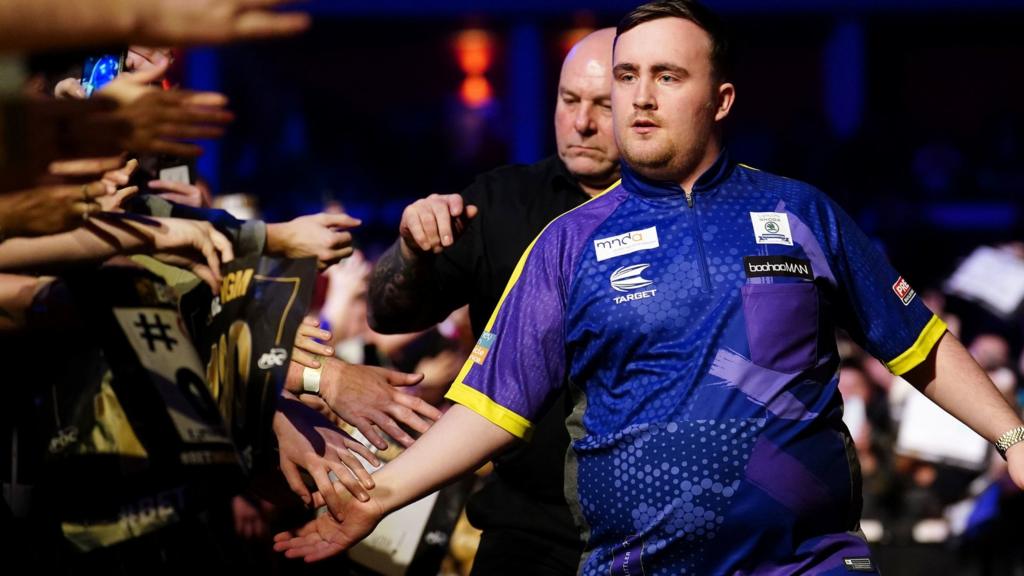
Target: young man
[[692, 308], [526, 523]]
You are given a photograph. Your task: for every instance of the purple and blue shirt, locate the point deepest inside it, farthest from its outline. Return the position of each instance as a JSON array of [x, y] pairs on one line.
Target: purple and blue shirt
[[698, 341]]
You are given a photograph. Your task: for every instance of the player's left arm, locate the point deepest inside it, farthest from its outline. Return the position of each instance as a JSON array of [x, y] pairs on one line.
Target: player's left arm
[[951, 378]]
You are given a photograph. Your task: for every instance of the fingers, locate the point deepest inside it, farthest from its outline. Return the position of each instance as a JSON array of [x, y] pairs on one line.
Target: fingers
[[171, 186], [387, 424], [396, 378], [94, 190], [203, 272], [371, 434], [114, 202], [418, 405], [428, 223], [348, 476], [87, 167], [204, 99], [342, 220], [335, 503], [227, 253], [406, 416], [255, 25], [144, 77], [472, 211], [121, 176], [69, 88], [311, 329], [188, 131], [304, 340], [182, 199], [294, 480], [443, 223], [414, 227], [167, 147], [357, 447], [299, 356], [355, 468]]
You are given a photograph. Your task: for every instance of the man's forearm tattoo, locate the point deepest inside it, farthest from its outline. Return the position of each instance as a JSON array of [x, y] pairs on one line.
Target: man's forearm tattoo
[[401, 293]]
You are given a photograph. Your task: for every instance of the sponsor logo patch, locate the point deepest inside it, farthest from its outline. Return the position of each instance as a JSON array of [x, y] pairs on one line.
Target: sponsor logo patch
[[483, 346], [761, 266], [859, 564], [904, 291], [627, 243], [771, 228], [628, 278]]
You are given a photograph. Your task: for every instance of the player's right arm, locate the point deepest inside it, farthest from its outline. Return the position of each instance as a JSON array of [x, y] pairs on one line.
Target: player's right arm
[[403, 291], [464, 438]]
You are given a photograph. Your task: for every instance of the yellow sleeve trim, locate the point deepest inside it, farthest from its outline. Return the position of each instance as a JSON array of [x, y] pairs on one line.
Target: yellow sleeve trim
[[919, 351], [526, 253], [478, 402]]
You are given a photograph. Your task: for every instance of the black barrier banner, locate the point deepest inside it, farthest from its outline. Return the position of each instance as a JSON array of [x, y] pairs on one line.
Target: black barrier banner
[[141, 444], [246, 338]]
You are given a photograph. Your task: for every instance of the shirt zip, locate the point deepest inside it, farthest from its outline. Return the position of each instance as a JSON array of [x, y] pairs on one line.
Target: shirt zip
[[701, 255]]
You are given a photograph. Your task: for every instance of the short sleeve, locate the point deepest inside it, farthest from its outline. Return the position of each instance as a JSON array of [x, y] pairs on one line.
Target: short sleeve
[[878, 307], [519, 360]]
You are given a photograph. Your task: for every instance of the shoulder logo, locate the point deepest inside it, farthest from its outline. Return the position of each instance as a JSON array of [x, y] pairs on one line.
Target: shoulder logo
[[771, 228], [627, 243], [629, 278], [904, 291], [483, 346]]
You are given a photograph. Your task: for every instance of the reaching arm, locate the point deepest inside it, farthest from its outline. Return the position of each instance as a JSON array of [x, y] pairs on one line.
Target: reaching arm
[[956, 383], [176, 241], [460, 442], [403, 293], [49, 24], [403, 296]]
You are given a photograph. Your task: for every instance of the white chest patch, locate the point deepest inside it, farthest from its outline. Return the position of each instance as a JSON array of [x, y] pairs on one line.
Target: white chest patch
[[771, 228]]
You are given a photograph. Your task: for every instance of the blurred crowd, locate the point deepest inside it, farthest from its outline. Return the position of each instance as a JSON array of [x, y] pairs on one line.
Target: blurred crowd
[[102, 210]]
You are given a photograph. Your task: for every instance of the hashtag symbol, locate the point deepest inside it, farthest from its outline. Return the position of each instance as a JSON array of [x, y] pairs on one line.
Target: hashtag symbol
[[154, 333]]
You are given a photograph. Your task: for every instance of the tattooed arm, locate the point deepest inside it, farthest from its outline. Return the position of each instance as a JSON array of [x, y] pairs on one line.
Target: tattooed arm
[[403, 294]]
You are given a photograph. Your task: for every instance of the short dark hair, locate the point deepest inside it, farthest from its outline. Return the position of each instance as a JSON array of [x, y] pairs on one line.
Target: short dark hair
[[702, 16]]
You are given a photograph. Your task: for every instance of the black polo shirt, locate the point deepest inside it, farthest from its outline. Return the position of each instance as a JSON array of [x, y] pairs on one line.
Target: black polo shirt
[[516, 203]]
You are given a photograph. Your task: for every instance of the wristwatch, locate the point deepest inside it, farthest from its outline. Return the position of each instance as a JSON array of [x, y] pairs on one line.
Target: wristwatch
[[311, 377], [1009, 439]]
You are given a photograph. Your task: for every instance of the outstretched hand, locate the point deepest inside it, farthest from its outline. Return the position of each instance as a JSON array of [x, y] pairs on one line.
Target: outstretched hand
[[326, 536], [310, 442], [368, 396]]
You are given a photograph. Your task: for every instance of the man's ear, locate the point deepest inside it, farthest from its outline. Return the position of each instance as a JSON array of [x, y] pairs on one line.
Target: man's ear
[[726, 96]]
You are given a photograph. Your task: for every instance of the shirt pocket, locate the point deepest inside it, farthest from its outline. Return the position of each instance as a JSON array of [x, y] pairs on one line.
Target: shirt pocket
[[782, 325]]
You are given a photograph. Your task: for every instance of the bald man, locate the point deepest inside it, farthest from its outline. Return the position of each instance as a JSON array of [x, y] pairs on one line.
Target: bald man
[[461, 249]]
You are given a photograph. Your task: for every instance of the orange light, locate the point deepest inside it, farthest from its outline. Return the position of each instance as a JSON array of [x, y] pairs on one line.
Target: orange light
[[474, 50], [475, 91], [569, 38]]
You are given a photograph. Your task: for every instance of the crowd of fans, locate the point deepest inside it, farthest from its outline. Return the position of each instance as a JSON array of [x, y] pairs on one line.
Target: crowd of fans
[[84, 197]]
